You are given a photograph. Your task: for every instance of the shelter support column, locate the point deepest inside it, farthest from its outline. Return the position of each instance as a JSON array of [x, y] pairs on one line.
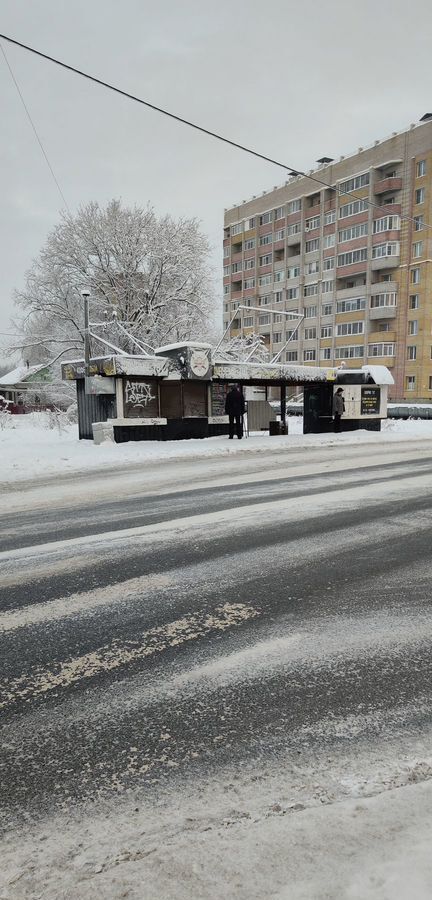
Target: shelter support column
[[283, 404]]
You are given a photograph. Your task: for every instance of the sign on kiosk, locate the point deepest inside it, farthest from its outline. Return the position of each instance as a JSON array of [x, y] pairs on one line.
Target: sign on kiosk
[[370, 402]]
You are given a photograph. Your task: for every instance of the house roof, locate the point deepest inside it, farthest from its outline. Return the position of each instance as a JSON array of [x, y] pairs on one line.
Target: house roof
[[20, 375]]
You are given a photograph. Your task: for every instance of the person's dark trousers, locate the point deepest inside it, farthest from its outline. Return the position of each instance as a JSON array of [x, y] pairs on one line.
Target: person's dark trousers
[[337, 422], [238, 426]]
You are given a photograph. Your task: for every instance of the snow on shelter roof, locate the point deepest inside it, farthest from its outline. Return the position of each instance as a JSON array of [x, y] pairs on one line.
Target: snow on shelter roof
[[182, 344], [380, 374]]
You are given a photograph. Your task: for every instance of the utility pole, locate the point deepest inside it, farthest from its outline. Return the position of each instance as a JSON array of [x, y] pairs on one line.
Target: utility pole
[[85, 295]]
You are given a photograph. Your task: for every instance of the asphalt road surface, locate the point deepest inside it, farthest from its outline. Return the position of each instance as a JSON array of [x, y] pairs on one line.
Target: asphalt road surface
[[158, 627]]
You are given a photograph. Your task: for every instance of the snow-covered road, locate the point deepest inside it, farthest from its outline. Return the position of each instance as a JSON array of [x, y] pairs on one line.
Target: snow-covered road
[[216, 679]]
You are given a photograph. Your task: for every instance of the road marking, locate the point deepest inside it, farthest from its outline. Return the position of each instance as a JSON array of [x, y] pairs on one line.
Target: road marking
[[86, 601], [117, 654]]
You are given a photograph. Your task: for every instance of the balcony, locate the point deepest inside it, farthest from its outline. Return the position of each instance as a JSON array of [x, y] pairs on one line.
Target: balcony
[[384, 287], [383, 312], [347, 293], [388, 184], [385, 262], [293, 239]]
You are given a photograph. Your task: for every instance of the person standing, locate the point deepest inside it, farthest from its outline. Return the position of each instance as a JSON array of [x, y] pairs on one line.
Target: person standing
[[338, 409], [234, 409]]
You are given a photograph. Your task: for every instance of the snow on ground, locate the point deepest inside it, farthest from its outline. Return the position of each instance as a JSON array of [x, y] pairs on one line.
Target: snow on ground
[[29, 449], [249, 839]]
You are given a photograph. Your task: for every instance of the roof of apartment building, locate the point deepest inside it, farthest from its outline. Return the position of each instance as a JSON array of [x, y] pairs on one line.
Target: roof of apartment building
[[393, 149]]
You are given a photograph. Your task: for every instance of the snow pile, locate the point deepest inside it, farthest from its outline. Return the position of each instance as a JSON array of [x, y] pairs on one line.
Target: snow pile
[[33, 449]]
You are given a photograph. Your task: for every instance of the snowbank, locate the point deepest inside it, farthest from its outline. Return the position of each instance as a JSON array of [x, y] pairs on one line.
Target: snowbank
[[29, 449]]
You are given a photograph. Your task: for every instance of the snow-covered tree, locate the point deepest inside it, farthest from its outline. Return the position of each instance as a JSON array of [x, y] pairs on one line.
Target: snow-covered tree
[[252, 347], [148, 274]]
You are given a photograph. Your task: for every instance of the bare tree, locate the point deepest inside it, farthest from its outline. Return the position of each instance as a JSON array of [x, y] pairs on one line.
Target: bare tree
[[152, 274]]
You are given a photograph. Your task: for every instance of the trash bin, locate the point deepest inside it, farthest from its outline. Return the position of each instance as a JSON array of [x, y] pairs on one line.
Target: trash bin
[[274, 428]]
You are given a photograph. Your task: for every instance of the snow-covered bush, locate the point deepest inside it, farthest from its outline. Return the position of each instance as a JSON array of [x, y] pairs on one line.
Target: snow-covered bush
[[6, 419]]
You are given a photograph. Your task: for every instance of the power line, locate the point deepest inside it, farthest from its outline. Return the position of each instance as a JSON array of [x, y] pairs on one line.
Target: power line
[[200, 128], [34, 128]]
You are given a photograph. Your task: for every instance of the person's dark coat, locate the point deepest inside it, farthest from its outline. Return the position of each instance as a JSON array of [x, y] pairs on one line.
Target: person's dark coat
[[338, 405], [234, 403]]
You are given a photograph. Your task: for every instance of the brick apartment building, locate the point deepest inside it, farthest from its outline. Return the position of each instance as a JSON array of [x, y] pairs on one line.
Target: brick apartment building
[[359, 272]]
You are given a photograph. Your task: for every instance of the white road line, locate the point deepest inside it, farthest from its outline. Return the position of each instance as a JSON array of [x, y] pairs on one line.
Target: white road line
[[117, 654]]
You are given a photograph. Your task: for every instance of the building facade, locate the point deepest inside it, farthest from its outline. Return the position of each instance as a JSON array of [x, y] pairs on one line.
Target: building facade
[[343, 268]]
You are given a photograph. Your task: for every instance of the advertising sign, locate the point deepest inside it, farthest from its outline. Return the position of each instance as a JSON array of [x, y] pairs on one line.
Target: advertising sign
[[370, 401]]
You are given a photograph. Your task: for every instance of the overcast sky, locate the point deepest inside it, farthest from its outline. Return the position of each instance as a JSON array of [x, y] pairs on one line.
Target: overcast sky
[[296, 80]]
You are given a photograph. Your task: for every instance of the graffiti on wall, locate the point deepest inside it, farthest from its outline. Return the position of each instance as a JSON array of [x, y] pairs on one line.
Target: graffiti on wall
[[139, 393]]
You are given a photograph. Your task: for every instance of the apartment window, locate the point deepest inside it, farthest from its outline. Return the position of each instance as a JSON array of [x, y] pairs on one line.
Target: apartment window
[[266, 260], [249, 283], [353, 184], [277, 337], [265, 299], [292, 356], [295, 228], [312, 245], [293, 272], [343, 306], [417, 249], [226, 251], [265, 279], [349, 328], [418, 223], [292, 293], [325, 353], [265, 218], [279, 212], [226, 289], [326, 331], [309, 355], [249, 244], [226, 270], [391, 249], [236, 229], [413, 326], [249, 263], [415, 276], [279, 235], [264, 320], [414, 301], [381, 350], [352, 256], [351, 209], [327, 286], [327, 309], [420, 195], [266, 239], [312, 223], [330, 217], [412, 351], [328, 263], [387, 223], [310, 290], [353, 352], [294, 206], [278, 296], [410, 382], [380, 300], [248, 321], [329, 240], [421, 168], [384, 326], [310, 334], [388, 201], [350, 234], [312, 268], [249, 223], [277, 317], [310, 312], [279, 276], [430, 382]]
